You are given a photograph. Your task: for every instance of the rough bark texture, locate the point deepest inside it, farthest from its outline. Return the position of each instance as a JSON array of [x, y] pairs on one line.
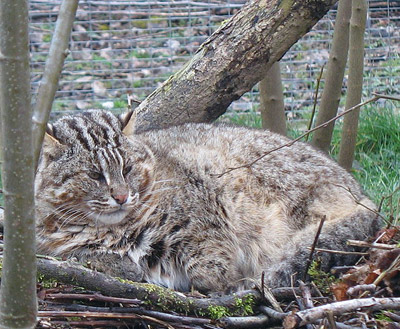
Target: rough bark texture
[[231, 61], [272, 106], [18, 307], [158, 298], [334, 76], [355, 83]]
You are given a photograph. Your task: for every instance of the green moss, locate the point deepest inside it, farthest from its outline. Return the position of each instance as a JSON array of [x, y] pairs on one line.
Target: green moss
[[244, 306], [382, 317], [125, 281], [321, 279], [46, 283], [165, 298], [217, 312]]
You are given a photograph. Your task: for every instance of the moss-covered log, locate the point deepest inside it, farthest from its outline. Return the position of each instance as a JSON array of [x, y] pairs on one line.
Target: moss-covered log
[[154, 297], [231, 61]]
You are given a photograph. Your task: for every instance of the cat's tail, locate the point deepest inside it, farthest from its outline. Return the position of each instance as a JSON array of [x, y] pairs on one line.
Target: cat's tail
[[291, 264]]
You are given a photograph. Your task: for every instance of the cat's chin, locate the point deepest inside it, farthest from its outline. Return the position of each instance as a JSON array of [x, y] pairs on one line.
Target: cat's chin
[[112, 218]]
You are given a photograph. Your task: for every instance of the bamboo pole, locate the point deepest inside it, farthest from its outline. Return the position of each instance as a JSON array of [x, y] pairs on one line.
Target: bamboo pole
[[334, 77], [354, 86], [272, 106]]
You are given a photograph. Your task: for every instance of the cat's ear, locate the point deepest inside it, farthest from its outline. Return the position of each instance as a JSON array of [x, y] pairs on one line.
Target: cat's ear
[[128, 121], [49, 141]]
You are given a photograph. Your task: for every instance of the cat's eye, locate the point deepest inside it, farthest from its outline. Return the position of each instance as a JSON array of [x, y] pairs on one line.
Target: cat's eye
[[126, 170], [95, 175]]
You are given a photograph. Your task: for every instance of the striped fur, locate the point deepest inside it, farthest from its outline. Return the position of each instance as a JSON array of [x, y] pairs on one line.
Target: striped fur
[[151, 206]]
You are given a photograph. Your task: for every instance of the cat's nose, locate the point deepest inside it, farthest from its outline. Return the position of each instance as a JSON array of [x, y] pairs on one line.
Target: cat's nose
[[120, 198]]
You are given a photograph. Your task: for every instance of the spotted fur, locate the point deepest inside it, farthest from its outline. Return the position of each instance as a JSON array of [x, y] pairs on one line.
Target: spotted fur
[[154, 207]]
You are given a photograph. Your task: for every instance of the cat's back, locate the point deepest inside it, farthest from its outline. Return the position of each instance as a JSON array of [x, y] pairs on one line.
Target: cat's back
[[259, 152]]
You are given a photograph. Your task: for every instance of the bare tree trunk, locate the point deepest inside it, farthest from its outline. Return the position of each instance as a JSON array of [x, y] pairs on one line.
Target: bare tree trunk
[[272, 106], [356, 70], [18, 306], [334, 76], [231, 61], [51, 75]]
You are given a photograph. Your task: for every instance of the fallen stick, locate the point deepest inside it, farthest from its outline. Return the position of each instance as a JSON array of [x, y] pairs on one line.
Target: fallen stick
[[312, 315], [94, 297], [365, 244], [353, 291]]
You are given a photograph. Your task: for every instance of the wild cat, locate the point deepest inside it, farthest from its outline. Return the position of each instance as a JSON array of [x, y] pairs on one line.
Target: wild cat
[[153, 206]]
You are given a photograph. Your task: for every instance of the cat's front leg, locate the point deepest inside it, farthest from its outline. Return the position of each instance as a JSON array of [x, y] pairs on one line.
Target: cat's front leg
[[211, 271]]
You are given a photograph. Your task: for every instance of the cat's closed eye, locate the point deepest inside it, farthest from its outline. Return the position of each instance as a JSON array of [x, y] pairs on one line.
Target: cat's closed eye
[[127, 170], [96, 175]]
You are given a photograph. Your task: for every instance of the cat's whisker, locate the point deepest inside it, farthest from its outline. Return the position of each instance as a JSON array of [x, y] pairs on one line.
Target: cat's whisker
[[72, 215]]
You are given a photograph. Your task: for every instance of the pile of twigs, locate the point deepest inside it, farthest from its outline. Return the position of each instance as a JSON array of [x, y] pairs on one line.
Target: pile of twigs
[[359, 296]]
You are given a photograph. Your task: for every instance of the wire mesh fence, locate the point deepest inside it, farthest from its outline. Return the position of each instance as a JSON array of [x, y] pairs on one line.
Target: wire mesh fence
[[133, 46]]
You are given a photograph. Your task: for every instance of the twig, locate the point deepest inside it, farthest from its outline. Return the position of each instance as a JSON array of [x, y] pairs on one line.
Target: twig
[[331, 319], [341, 252], [288, 144], [272, 313], [375, 245], [94, 297], [393, 98], [172, 318], [353, 291], [347, 189], [315, 100], [108, 315], [306, 293], [394, 265], [92, 323], [393, 316], [312, 315], [269, 296], [244, 322], [336, 270], [310, 257]]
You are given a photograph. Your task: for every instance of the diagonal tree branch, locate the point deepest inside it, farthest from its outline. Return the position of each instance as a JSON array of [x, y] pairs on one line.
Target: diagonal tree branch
[[54, 64], [230, 62]]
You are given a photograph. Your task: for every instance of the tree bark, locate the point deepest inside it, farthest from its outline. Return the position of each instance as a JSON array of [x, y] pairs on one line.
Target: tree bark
[[272, 106], [230, 62], [158, 298], [355, 83], [334, 76], [18, 306], [54, 64]]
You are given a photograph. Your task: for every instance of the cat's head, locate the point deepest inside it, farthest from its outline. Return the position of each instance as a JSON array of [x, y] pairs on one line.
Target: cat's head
[[91, 169]]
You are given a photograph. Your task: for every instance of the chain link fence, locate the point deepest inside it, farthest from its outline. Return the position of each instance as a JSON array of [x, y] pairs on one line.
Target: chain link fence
[[133, 46]]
